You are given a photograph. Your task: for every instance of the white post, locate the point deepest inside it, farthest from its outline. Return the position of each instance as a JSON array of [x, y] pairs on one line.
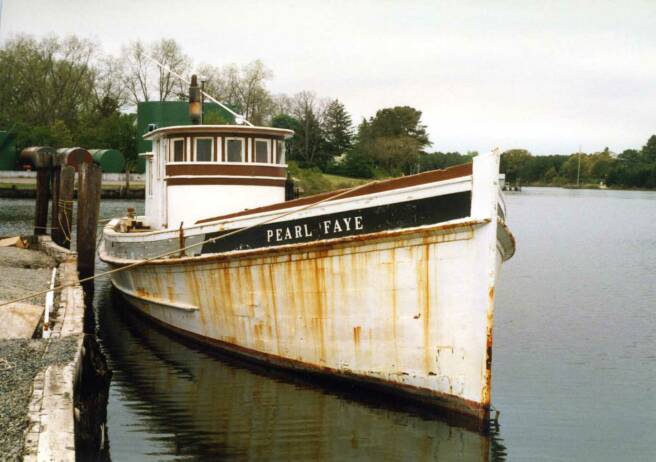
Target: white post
[[50, 302]]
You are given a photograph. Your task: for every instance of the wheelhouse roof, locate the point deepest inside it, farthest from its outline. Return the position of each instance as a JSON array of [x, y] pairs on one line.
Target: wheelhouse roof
[[218, 129]]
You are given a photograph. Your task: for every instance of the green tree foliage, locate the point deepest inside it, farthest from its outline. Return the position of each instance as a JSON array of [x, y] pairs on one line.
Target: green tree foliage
[[114, 131], [55, 92], [512, 163], [393, 139], [635, 168], [42, 82], [631, 168], [337, 129], [440, 160], [649, 150]]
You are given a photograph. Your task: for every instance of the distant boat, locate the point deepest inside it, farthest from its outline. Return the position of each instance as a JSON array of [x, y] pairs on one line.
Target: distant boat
[[390, 284]]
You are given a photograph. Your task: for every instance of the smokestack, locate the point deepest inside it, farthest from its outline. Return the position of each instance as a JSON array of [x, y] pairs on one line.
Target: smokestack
[[195, 103]]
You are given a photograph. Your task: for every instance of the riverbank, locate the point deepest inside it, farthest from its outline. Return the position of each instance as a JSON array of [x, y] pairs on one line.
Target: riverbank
[[109, 191], [22, 185]]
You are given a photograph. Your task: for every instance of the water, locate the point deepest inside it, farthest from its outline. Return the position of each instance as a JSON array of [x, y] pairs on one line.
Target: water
[[574, 366]]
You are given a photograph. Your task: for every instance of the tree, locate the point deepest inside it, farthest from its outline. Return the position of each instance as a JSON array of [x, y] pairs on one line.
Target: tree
[[397, 122], [649, 150], [601, 163], [241, 88], [337, 129], [307, 110], [45, 81], [512, 163], [110, 94], [144, 79], [577, 165], [290, 123], [393, 139]]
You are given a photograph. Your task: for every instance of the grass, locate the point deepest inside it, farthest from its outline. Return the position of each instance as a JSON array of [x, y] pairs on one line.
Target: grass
[[341, 182]]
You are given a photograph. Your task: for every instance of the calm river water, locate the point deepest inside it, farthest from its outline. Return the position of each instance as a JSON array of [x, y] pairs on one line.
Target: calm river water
[[574, 369]]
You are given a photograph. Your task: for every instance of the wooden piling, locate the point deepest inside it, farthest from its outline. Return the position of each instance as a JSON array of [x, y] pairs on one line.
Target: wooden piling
[[42, 198], [88, 207], [40, 159], [65, 217], [55, 229], [55, 225]]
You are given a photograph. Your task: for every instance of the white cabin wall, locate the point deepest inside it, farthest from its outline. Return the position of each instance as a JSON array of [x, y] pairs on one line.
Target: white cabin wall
[[148, 203], [191, 203], [155, 175], [161, 182]]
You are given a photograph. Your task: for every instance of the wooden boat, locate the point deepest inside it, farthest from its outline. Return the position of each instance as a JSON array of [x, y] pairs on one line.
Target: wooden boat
[[390, 284]]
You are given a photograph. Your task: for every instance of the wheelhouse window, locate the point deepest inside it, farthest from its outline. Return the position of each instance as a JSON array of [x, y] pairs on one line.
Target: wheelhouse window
[[177, 153], [204, 148], [235, 149], [280, 152], [262, 148]]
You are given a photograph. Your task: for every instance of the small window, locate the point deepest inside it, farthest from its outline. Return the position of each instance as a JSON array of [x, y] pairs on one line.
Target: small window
[[262, 151], [178, 150], [204, 148], [235, 149], [280, 152]]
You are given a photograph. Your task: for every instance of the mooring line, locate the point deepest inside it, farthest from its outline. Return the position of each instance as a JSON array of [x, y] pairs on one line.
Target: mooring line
[[183, 249]]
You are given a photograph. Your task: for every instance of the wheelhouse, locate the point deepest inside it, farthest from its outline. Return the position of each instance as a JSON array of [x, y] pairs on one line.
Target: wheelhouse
[[196, 171]]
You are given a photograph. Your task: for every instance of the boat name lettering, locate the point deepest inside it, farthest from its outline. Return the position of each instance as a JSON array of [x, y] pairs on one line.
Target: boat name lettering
[[326, 228], [288, 233]]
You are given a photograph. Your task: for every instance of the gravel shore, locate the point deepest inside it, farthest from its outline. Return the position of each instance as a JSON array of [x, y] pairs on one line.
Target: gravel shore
[[20, 361], [24, 271]]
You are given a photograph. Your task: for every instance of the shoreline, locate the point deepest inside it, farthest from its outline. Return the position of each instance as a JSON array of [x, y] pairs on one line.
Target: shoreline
[[28, 191], [590, 187]]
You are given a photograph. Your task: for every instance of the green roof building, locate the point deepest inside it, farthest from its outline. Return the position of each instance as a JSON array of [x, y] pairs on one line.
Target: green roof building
[[170, 113]]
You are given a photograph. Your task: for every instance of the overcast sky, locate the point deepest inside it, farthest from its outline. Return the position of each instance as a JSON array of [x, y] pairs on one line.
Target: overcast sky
[[547, 76]]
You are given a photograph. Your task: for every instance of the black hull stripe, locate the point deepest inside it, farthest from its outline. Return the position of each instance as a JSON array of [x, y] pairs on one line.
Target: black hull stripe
[[420, 212]]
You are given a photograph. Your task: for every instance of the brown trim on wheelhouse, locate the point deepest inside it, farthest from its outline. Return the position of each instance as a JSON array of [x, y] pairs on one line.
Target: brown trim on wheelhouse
[[219, 130], [225, 169], [374, 187], [185, 181]]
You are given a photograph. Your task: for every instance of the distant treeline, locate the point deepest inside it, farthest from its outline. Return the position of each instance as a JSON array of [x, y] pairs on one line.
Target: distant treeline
[[631, 169], [66, 92]]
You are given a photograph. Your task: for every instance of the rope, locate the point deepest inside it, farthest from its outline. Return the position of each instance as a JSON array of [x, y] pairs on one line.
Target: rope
[[66, 230], [183, 249]]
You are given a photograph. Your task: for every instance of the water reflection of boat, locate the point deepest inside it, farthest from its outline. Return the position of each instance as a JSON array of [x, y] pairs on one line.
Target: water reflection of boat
[[202, 407]]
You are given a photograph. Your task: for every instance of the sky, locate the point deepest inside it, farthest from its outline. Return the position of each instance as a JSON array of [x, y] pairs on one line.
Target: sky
[[547, 76]]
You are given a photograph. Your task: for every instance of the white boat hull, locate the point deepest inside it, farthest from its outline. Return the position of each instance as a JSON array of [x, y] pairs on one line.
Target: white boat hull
[[410, 310]]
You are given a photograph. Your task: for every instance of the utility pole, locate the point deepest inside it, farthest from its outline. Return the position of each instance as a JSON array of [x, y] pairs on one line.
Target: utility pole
[[578, 170]]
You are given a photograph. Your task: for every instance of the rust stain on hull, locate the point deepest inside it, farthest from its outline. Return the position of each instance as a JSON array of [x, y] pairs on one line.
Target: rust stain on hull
[[487, 383], [467, 413], [370, 310]]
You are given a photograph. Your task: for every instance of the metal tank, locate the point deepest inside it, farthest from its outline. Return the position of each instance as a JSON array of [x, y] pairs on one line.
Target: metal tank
[[110, 160]]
